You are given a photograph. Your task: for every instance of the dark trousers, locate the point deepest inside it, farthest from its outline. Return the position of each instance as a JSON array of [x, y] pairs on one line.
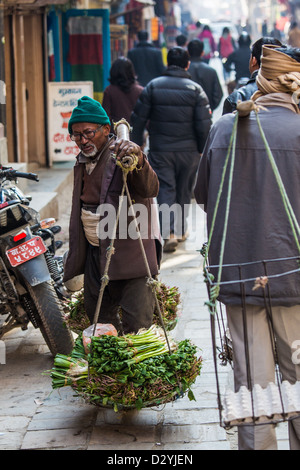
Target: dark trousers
[[176, 172], [127, 304]]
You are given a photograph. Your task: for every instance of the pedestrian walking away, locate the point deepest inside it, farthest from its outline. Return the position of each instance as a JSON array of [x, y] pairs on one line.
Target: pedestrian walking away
[[97, 187], [294, 35], [245, 92], [203, 74], [194, 30], [147, 59], [225, 47], [239, 59], [276, 33], [209, 43], [181, 40], [120, 97], [264, 28], [264, 205], [177, 113]]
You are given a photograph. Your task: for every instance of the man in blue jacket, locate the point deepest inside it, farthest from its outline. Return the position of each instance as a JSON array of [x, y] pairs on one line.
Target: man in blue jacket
[[245, 92], [147, 59], [177, 113]]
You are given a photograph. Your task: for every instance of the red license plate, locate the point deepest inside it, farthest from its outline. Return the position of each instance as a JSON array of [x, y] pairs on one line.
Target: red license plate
[[26, 251]]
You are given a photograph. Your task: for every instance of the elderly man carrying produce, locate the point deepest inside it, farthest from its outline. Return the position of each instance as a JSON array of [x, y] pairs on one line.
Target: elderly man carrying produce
[[98, 182]]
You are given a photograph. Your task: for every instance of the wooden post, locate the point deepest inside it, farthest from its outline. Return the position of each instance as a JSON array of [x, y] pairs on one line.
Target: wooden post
[[34, 77], [2, 69], [20, 88]]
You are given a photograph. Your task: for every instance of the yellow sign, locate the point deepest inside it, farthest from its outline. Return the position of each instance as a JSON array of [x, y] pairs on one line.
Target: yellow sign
[[154, 29]]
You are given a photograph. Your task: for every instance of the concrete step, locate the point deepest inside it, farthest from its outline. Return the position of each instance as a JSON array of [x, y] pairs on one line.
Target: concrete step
[[46, 193]]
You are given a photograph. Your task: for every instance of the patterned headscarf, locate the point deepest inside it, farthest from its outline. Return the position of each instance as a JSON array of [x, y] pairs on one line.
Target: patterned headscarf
[[279, 73]]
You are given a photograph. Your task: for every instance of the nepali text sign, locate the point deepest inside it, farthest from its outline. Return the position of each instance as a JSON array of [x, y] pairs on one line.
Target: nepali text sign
[[62, 99]]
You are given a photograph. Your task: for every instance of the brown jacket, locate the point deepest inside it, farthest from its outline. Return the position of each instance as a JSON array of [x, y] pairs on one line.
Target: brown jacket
[[258, 227], [119, 104], [127, 262]]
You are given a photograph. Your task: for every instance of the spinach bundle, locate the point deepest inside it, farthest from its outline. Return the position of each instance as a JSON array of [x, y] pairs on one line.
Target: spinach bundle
[[130, 371], [74, 313], [168, 299]]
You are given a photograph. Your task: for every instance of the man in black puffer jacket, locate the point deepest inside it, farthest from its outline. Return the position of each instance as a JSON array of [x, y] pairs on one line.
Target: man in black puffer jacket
[[178, 115]]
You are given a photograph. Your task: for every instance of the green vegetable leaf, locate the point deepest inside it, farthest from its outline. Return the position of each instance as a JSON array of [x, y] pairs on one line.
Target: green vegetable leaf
[[191, 395], [139, 403]]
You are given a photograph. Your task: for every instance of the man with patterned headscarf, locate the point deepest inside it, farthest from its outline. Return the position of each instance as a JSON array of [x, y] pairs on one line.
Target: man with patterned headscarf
[[278, 80], [259, 229]]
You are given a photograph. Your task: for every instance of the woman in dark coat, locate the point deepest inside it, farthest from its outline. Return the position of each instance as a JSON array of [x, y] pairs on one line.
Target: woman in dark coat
[[120, 96]]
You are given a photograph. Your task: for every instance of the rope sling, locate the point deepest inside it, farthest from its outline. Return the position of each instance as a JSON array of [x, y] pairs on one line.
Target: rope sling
[[213, 284], [127, 165]]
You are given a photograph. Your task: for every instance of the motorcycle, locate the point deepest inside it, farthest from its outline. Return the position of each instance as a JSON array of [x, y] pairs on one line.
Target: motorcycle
[[31, 286]]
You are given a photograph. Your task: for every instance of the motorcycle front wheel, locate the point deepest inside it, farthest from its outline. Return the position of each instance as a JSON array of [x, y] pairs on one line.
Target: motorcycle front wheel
[[50, 319]]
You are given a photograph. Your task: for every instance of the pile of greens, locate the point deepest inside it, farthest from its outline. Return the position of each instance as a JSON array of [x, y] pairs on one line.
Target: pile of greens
[[130, 371], [75, 316], [168, 299]]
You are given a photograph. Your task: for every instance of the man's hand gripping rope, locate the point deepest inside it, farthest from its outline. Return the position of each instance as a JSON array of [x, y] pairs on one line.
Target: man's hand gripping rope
[[127, 154]]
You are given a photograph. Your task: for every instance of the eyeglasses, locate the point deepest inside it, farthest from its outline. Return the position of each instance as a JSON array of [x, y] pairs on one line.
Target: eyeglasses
[[88, 134]]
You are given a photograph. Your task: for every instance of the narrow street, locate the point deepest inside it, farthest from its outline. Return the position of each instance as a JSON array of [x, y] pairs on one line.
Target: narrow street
[[34, 417]]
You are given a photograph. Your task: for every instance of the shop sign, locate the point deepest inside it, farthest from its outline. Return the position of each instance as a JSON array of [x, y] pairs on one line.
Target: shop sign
[[62, 99]]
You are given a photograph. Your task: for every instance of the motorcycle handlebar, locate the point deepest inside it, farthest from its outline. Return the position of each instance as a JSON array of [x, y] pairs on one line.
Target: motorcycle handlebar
[[10, 173]]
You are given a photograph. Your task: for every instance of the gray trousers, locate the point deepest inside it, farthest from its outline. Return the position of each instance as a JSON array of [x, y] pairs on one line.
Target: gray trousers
[[286, 323]]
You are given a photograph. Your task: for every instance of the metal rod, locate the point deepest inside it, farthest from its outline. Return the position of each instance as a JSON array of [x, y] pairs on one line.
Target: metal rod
[[212, 325], [246, 344]]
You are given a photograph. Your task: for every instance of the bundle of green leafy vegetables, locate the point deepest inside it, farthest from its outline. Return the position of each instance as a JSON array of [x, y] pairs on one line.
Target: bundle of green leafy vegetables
[[168, 299], [75, 316], [130, 371]]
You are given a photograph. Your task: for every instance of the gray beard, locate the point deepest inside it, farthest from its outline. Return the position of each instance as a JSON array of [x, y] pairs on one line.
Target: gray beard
[[90, 154]]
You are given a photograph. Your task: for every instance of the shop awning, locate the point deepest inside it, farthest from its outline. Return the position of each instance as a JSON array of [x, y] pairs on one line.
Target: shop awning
[[142, 4], [32, 3]]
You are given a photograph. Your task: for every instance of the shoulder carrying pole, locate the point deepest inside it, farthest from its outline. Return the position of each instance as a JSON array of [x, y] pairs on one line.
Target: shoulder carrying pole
[[127, 165]]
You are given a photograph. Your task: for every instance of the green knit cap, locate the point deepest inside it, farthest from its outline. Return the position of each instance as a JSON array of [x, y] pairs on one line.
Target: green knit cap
[[88, 110]]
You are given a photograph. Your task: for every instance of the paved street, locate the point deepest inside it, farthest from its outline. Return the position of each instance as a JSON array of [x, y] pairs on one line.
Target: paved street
[[33, 416]]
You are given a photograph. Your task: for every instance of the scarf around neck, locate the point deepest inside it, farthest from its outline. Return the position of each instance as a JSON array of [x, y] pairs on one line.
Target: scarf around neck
[[278, 80], [277, 99]]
